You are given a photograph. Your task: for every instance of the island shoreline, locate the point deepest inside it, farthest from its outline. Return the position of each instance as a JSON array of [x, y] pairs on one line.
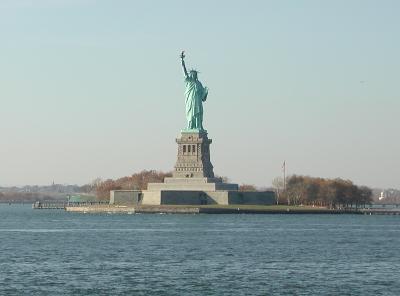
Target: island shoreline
[[181, 209]]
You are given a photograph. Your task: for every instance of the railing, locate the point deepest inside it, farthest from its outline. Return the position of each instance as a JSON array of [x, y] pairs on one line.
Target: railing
[[61, 205], [86, 203], [382, 211]]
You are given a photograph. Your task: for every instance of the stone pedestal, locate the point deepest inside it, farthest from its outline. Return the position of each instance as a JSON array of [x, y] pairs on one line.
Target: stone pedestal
[[193, 156], [193, 181], [193, 168]]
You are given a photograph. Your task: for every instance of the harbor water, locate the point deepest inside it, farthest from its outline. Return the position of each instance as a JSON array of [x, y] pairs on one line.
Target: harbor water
[[52, 252]]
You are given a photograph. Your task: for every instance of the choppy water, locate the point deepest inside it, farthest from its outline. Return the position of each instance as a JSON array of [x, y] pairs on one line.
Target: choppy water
[[57, 253]]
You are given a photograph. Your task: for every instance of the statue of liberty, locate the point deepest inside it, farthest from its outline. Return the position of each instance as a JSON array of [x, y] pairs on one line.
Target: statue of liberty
[[195, 95]]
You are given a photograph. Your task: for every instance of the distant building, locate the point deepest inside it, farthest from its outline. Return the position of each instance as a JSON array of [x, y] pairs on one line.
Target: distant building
[[390, 196]]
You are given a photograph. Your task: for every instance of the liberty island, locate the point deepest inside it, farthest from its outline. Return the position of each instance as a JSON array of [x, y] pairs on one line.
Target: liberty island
[[192, 182]]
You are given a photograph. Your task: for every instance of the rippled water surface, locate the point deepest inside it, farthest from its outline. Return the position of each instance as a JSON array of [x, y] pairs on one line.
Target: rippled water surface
[[45, 252]]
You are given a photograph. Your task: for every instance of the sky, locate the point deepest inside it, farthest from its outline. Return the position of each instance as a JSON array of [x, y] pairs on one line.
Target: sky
[[94, 88]]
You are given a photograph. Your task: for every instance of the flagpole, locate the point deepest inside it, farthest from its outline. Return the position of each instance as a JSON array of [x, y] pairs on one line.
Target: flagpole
[[284, 175], [284, 181]]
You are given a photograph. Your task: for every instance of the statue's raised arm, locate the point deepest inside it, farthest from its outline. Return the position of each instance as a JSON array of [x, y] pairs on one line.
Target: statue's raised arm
[[183, 63]]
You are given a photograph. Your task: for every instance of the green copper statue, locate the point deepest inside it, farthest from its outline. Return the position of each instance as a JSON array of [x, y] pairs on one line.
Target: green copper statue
[[195, 95]]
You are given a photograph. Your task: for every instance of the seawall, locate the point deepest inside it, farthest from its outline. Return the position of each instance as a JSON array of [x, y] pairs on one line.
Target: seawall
[[240, 209]]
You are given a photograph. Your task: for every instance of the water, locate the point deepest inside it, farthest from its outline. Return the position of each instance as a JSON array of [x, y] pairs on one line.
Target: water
[[45, 252]]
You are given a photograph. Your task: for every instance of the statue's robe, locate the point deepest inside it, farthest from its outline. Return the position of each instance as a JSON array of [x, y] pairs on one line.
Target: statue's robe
[[195, 95]]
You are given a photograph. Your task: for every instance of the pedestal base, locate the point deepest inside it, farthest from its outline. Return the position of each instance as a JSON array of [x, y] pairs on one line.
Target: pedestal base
[[192, 184], [181, 197]]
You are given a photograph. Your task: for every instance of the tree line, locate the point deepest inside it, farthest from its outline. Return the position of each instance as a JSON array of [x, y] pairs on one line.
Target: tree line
[[137, 181], [299, 190], [332, 193]]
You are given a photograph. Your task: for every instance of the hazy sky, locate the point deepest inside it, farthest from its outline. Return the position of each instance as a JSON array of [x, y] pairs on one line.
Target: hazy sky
[[92, 88]]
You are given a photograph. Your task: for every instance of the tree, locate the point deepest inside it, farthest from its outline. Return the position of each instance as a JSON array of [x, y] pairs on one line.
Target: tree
[[137, 181], [247, 187], [223, 178], [365, 195], [278, 185], [103, 189], [296, 193], [296, 189], [326, 192]]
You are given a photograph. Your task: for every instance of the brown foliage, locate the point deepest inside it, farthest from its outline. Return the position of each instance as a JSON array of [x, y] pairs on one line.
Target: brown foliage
[[103, 189], [247, 187], [326, 192], [137, 181]]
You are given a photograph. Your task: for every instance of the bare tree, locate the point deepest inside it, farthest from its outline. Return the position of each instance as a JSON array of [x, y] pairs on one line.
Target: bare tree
[[247, 187], [278, 185]]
